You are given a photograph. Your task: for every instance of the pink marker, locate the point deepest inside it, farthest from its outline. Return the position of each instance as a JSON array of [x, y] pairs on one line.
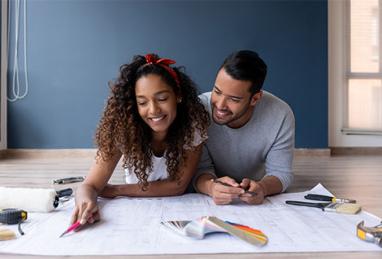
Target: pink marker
[[71, 228]]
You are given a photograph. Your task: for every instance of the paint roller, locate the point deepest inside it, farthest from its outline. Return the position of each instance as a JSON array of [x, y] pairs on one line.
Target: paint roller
[[31, 199]]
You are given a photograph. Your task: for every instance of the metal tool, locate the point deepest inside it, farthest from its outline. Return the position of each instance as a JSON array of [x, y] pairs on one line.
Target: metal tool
[[69, 180], [318, 197], [370, 234]]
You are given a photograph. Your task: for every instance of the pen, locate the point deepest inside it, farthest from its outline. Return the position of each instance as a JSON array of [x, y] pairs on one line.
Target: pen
[[226, 184], [73, 227]]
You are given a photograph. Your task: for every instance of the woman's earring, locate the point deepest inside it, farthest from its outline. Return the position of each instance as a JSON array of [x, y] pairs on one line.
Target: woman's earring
[[179, 100]]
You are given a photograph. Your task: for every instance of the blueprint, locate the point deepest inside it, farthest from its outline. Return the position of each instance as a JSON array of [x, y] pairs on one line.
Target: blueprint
[[131, 226]]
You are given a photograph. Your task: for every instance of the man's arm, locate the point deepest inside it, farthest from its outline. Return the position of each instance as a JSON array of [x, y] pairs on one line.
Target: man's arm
[[205, 168], [223, 190], [257, 191], [279, 160], [278, 164], [270, 185]]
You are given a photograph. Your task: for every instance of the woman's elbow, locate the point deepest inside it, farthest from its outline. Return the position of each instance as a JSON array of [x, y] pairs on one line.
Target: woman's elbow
[[179, 188]]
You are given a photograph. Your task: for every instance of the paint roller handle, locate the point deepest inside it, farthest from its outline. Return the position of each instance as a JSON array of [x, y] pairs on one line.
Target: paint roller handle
[[65, 192], [62, 193]]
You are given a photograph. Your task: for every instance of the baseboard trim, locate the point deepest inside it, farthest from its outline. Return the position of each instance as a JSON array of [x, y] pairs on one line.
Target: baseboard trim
[[361, 151], [3, 153], [67, 153], [90, 152], [312, 152], [47, 153]]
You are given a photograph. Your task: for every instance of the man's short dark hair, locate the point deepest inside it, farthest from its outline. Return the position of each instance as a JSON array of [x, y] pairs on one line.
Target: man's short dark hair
[[246, 65]]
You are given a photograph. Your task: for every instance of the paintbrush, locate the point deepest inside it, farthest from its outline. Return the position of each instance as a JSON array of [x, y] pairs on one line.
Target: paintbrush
[[319, 197], [348, 208]]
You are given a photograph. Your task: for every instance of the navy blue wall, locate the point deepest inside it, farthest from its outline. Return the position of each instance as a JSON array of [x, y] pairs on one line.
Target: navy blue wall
[[76, 47]]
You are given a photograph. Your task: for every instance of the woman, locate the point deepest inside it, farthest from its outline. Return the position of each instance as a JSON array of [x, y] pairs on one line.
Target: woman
[[155, 121]]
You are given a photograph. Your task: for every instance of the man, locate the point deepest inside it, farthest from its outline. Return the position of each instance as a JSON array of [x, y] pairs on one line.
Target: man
[[249, 151]]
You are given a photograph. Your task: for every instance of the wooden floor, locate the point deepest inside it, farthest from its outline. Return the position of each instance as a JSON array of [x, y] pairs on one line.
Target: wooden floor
[[356, 177]]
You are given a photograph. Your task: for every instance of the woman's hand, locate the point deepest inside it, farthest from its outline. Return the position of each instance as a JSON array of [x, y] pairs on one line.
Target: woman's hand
[[86, 209]]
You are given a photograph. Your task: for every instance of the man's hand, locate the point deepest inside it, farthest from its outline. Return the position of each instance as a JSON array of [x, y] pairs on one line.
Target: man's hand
[[224, 190], [255, 192]]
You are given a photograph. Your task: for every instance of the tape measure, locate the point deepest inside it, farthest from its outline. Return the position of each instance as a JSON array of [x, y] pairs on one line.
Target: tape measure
[[12, 216]]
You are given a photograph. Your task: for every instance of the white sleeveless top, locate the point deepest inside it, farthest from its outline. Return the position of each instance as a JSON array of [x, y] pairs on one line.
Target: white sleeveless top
[[159, 171]]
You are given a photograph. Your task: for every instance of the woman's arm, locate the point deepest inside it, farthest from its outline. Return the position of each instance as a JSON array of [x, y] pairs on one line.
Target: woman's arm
[[101, 172], [86, 209], [162, 187]]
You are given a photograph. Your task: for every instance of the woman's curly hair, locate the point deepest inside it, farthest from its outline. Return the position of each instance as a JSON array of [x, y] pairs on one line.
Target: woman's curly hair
[[122, 129]]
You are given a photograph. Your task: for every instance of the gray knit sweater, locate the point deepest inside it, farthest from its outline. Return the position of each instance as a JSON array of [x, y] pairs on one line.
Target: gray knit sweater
[[263, 146]]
